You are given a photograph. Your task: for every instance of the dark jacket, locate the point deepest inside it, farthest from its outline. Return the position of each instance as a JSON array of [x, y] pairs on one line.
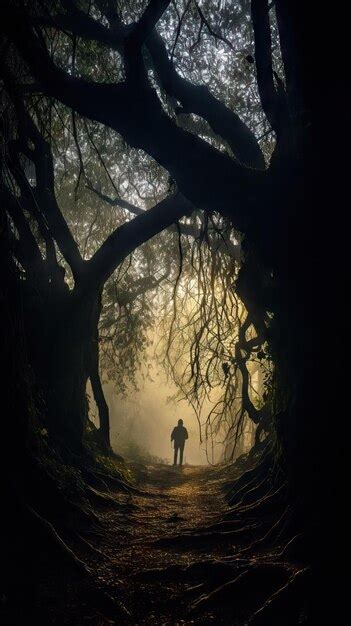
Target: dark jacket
[[179, 435]]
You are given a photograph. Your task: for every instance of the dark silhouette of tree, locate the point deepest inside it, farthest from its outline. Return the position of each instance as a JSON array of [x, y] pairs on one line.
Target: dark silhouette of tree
[[68, 353], [279, 207]]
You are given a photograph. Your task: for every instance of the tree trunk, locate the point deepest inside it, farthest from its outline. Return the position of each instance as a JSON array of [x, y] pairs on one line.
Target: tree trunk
[[311, 280], [64, 361], [99, 396]]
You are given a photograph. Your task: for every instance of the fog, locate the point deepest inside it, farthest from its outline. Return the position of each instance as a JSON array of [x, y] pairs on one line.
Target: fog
[[141, 423], [141, 420], [147, 417]]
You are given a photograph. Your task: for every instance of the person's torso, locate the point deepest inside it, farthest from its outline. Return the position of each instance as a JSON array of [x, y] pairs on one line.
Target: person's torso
[[179, 434]]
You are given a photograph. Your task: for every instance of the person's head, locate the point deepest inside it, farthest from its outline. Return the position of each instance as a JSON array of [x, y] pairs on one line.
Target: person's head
[[180, 422]]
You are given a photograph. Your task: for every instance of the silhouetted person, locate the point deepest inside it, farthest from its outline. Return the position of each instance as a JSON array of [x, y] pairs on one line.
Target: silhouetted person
[[179, 435]]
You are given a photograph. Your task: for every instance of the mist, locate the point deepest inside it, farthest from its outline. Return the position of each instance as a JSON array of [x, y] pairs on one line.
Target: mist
[[142, 422]]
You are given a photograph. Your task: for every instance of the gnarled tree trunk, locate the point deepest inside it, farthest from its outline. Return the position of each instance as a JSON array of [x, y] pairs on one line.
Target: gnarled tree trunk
[[69, 364], [103, 433]]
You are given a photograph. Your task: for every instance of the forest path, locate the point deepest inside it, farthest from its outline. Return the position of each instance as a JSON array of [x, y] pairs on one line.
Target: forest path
[[172, 502]]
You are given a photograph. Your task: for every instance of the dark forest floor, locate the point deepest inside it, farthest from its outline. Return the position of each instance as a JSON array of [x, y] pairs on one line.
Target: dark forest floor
[[154, 529], [176, 501], [183, 500]]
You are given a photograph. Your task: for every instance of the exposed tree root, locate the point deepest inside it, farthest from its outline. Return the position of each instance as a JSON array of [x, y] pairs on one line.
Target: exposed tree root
[[90, 547], [96, 477], [210, 569], [223, 525], [236, 497], [48, 530], [52, 500], [109, 605], [248, 590], [92, 478], [288, 601], [267, 505], [301, 548], [105, 499], [83, 512], [191, 539], [255, 493], [274, 532], [250, 478]]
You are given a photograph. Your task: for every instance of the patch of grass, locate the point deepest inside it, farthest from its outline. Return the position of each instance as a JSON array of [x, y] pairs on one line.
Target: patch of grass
[[133, 451], [114, 467]]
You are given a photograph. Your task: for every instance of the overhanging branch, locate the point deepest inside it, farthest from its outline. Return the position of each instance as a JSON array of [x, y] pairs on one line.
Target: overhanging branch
[[135, 112], [132, 234], [189, 230], [199, 100]]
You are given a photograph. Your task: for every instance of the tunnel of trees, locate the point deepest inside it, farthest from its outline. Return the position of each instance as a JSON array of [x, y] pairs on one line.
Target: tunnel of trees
[[150, 143]]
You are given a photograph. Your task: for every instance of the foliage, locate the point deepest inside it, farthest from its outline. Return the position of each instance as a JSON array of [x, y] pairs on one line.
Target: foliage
[[137, 453], [66, 476]]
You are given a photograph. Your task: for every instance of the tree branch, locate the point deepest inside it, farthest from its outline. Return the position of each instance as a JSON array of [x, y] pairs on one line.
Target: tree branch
[[30, 251], [195, 99], [214, 34], [123, 204], [79, 23], [82, 25], [132, 234], [136, 112], [185, 229], [199, 100], [263, 57], [149, 19], [43, 195]]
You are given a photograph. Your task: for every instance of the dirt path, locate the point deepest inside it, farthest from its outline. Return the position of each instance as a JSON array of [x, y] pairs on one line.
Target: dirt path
[[172, 501], [166, 553]]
